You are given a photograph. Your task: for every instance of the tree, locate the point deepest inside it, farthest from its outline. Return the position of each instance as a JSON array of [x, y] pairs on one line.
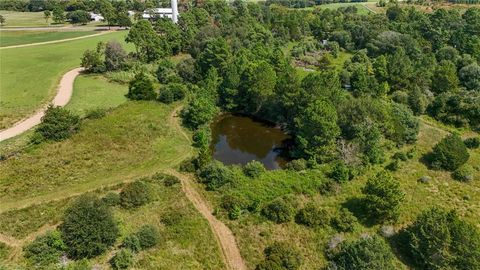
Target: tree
[[141, 88], [148, 236], [257, 85], [78, 17], [445, 77], [106, 9], [45, 249], [470, 77], [2, 20], [147, 43], [88, 228], [280, 256], [405, 125], [92, 59], [317, 130], [439, 239], [198, 111], [115, 56], [123, 20], [47, 14], [123, 259], [383, 197], [58, 15], [57, 124], [449, 154], [135, 195], [368, 253], [217, 54]]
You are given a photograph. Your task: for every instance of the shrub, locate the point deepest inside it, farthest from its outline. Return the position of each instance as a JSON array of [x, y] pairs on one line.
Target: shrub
[[170, 180], [463, 174], [279, 256], [172, 92], [328, 187], [400, 156], [58, 124], [369, 253], [115, 56], [383, 197], [202, 137], [393, 166], [472, 143], [123, 259], [344, 221], [439, 239], [135, 194], [95, 113], [132, 242], [297, 165], [45, 249], [215, 175], [141, 88], [312, 216], [253, 169], [279, 210], [148, 236], [111, 199], [340, 172], [449, 154], [188, 165], [88, 228], [198, 111]]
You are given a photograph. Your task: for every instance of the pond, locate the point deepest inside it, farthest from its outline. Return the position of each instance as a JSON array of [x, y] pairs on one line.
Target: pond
[[240, 139]]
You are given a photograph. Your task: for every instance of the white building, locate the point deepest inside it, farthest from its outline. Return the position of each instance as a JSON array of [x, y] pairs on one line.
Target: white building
[[171, 13], [96, 17]]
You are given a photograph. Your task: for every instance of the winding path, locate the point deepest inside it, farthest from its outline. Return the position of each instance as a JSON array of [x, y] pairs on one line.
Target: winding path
[[63, 96]]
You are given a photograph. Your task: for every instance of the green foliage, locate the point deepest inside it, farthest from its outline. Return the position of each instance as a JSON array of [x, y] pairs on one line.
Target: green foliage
[[78, 17], [312, 216], [58, 14], [92, 60], [135, 195], [198, 111], [149, 46], [405, 125], [383, 197], [111, 199], [279, 210], [280, 256], [57, 124], [297, 165], [470, 77], [45, 249], [132, 243], [445, 77], [439, 239], [172, 92], [340, 172], [253, 169], [88, 228], [472, 143], [148, 236], [141, 88], [460, 109], [344, 221], [202, 137], [123, 259], [449, 154], [115, 56], [369, 253], [215, 175], [464, 173]]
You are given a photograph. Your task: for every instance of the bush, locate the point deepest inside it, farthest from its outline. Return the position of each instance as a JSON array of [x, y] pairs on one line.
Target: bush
[[439, 239], [472, 143], [172, 92], [340, 172], [344, 221], [312, 216], [463, 174], [279, 256], [58, 124], [297, 165], [253, 169], [88, 228], [198, 111], [170, 180], [95, 113], [202, 137], [393, 166], [141, 88], [135, 194], [400, 156], [383, 197], [369, 253], [148, 236], [279, 211], [111, 199], [45, 249], [123, 259], [132, 243], [449, 154], [215, 175], [188, 165]]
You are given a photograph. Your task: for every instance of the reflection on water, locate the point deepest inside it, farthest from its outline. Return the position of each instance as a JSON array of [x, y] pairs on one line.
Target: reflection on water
[[239, 139]]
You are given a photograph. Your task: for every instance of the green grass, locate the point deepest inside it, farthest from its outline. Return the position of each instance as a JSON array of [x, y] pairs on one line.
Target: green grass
[[10, 38], [23, 19], [39, 69], [94, 92], [131, 141], [360, 6]]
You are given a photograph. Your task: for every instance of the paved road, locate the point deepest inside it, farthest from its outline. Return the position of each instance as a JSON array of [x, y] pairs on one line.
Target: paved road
[[63, 96]]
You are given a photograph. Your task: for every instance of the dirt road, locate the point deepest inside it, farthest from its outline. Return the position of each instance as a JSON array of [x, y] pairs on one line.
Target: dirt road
[[63, 96]]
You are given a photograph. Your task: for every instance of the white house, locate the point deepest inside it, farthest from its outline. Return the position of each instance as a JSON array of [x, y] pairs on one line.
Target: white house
[[171, 13], [96, 17]]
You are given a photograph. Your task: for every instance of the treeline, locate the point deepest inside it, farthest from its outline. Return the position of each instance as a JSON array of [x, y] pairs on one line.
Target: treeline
[[308, 3], [72, 5]]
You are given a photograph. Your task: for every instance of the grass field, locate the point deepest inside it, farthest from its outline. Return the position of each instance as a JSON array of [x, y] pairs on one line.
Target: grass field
[[361, 7], [38, 81], [10, 38], [24, 19]]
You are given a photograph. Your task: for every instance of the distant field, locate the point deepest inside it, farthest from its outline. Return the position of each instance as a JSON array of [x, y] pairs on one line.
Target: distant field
[[10, 38], [23, 19], [39, 70], [362, 9]]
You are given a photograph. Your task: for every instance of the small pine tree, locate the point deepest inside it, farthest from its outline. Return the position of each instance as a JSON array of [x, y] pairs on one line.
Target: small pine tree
[[449, 154], [141, 88]]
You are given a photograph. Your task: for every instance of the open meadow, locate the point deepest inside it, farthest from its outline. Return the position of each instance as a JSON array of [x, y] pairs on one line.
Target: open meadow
[[11, 38], [24, 19]]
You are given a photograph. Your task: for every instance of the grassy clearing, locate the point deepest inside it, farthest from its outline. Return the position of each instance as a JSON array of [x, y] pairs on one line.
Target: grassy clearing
[[131, 141], [10, 38], [24, 19], [38, 81]]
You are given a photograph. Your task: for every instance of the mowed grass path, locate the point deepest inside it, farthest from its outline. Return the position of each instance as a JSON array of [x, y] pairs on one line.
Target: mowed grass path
[[133, 140], [10, 38], [29, 76]]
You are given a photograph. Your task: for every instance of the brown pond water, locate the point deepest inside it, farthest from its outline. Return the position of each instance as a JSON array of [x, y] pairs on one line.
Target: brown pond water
[[240, 139]]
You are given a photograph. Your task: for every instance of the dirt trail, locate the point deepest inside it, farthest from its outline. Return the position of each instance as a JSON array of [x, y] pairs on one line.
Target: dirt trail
[[53, 41], [63, 96]]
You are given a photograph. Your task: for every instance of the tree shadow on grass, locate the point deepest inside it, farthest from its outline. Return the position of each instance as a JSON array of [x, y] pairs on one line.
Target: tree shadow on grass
[[356, 205], [400, 247]]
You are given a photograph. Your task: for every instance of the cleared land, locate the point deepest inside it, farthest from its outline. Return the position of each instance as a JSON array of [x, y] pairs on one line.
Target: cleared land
[[38, 81], [24, 19], [10, 38]]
